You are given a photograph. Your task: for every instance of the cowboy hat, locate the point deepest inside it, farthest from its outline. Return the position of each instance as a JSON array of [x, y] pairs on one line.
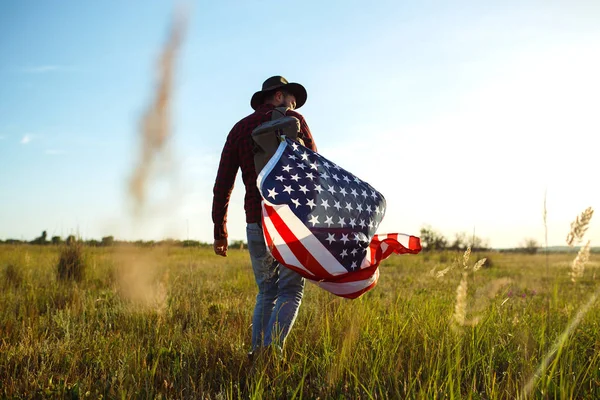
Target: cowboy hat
[[279, 82]]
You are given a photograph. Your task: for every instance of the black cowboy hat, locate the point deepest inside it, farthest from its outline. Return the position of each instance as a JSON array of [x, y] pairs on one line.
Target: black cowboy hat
[[279, 83]]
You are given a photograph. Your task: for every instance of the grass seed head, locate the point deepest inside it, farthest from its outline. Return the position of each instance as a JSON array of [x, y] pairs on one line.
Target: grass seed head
[[579, 226], [578, 265]]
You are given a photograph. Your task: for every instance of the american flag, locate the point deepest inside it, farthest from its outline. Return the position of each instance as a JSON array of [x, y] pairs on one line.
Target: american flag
[[321, 221]]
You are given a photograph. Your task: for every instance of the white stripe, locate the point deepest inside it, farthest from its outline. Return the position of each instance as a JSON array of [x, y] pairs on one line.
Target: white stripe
[[288, 257], [404, 240], [270, 164], [347, 287], [311, 243]]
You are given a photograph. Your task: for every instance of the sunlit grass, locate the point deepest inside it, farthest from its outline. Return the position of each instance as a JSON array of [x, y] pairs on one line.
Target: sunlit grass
[[397, 341]]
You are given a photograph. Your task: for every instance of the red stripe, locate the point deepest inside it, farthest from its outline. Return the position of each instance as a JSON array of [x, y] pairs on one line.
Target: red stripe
[[415, 244], [296, 247]]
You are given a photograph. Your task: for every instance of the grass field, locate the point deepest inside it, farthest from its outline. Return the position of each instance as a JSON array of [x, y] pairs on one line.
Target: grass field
[[175, 323]]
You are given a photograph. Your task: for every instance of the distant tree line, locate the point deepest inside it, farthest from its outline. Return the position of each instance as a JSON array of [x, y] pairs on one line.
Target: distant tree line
[[432, 240], [109, 241]]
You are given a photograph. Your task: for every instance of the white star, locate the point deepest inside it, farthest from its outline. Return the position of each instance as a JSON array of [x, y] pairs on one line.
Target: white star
[[349, 207], [324, 175], [314, 220], [330, 238], [369, 208], [310, 176], [314, 166], [373, 195], [354, 265], [364, 194], [346, 179], [336, 167], [328, 221], [311, 204], [359, 207], [353, 192], [344, 238], [352, 222], [334, 176], [377, 210], [337, 205], [344, 253], [343, 191], [303, 189], [341, 222], [304, 156], [279, 178], [296, 202], [325, 204], [288, 189], [295, 177], [292, 157], [354, 251], [272, 193], [356, 238], [295, 146], [326, 164], [287, 168], [331, 189], [362, 223], [318, 188], [370, 223], [301, 166], [356, 179]]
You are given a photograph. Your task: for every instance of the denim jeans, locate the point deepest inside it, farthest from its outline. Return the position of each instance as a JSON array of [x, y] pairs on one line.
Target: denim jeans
[[279, 293]]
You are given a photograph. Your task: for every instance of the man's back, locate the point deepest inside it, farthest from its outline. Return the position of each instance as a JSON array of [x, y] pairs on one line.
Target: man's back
[[238, 153]]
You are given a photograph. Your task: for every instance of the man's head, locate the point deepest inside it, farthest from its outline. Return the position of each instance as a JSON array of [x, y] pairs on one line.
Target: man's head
[[281, 98], [278, 91]]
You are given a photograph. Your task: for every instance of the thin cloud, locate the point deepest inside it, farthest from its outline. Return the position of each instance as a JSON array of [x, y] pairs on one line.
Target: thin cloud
[[54, 152], [26, 139], [40, 69]]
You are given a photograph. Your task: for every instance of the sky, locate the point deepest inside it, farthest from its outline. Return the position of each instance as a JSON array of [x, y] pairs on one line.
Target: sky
[[467, 116]]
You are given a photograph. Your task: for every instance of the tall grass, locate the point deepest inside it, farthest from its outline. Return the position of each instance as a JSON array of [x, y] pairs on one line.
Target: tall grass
[[394, 342]]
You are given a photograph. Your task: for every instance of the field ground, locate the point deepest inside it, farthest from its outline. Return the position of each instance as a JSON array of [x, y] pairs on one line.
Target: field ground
[[175, 323]]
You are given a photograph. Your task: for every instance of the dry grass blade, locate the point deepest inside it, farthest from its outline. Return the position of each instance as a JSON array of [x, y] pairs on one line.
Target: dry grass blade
[[155, 125], [460, 309], [579, 226]]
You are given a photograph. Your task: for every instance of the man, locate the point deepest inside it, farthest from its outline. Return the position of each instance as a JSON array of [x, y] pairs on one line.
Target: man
[[279, 288]]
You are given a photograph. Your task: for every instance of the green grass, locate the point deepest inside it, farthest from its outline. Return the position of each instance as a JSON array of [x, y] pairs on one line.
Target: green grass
[[187, 334]]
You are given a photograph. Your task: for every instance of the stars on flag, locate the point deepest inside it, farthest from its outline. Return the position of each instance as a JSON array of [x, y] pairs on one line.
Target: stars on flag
[[342, 211]]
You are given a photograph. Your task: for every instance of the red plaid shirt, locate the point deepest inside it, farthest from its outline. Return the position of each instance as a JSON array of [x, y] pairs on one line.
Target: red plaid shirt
[[237, 153]]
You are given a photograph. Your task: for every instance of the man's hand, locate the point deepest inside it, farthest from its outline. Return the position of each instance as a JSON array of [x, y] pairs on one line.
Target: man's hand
[[220, 247]]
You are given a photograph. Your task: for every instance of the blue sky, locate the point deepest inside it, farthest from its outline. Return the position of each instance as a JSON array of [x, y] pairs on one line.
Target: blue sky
[[462, 115]]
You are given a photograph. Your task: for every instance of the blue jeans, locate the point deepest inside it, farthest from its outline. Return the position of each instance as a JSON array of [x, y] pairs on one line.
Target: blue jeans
[[279, 293]]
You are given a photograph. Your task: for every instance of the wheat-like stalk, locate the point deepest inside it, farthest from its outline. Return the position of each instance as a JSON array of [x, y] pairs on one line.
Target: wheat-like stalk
[[479, 264], [579, 226], [466, 257], [579, 262]]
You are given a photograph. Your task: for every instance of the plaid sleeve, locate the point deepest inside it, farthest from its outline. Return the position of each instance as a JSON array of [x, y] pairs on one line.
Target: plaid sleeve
[[228, 167], [305, 131]]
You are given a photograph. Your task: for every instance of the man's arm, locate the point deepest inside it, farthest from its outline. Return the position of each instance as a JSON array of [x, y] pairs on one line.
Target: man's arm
[[228, 167], [304, 131]]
